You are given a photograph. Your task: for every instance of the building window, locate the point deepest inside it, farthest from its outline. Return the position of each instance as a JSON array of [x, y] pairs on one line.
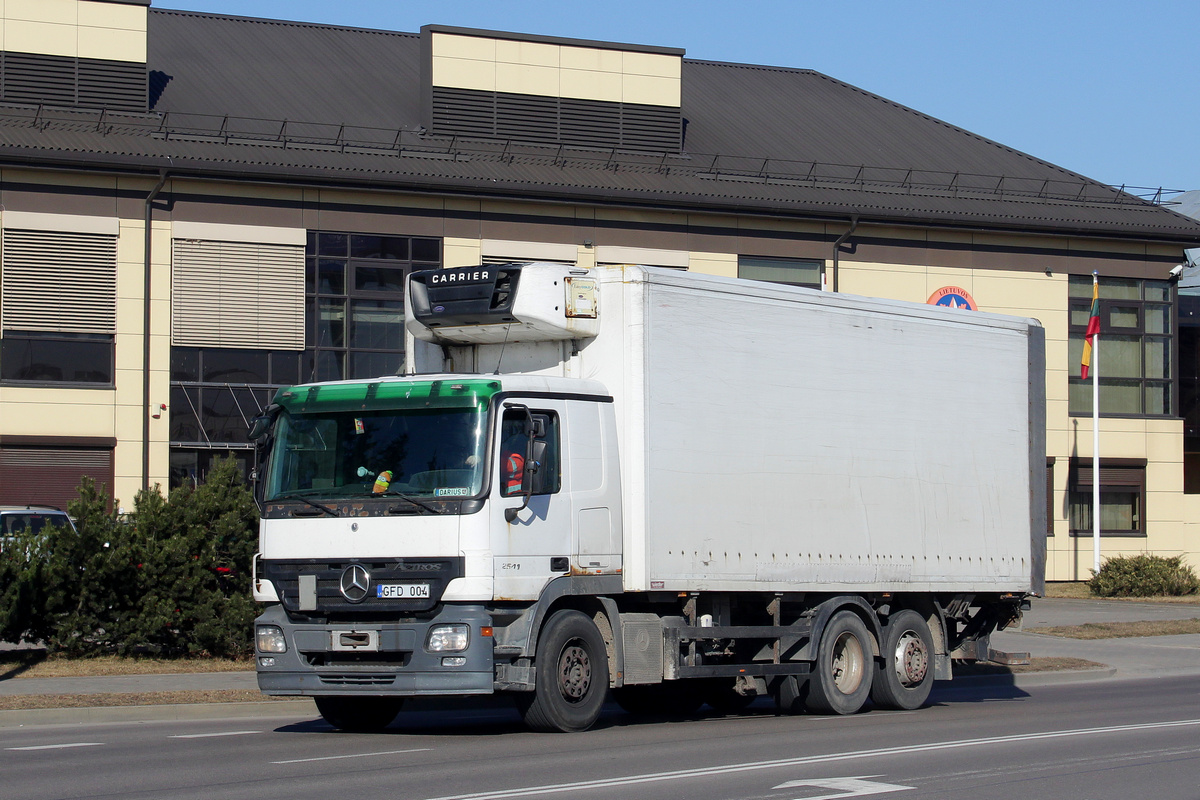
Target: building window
[[1050, 495], [58, 301], [790, 271], [46, 357], [355, 290], [237, 294], [1135, 352], [1189, 385], [49, 471], [191, 466], [354, 308], [1122, 497], [215, 392]]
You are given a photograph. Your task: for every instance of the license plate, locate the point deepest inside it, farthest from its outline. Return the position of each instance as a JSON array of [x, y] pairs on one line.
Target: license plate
[[402, 591]]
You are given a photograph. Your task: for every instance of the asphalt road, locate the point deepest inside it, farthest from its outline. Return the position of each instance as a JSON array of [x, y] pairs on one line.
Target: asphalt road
[[1116, 739]]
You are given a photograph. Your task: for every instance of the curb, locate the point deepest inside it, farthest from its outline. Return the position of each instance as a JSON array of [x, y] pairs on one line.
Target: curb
[[179, 711]]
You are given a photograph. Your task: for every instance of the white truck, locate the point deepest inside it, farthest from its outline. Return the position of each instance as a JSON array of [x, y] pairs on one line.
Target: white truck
[[679, 488]]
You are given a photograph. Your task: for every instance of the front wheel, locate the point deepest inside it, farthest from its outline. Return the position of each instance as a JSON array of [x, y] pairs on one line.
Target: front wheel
[[572, 675], [841, 676], [905, 677], [359, 714]]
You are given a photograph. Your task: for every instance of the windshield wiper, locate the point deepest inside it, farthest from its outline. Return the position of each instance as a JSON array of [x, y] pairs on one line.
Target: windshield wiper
[[413, 500], [333, 512]]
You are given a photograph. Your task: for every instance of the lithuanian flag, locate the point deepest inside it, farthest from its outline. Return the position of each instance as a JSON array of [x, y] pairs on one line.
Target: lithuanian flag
[[1093, 327]]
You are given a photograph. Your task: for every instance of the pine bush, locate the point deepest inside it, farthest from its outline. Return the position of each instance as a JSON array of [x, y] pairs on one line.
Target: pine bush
[[170, 578], [1144, 576]]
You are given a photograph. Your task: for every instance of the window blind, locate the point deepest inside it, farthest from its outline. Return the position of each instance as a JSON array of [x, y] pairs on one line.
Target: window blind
[[59, 281], [237, 294]]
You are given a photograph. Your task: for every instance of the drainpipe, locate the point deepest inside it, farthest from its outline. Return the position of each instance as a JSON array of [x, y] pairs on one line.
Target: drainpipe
[[162, 180], [837, 246]]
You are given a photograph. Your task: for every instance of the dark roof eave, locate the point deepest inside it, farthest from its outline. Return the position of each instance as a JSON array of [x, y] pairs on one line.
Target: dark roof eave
[[183, 167]]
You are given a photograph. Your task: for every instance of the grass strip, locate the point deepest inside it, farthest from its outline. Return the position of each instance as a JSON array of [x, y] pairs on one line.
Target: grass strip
[[1121, 630], [36, 663], [23, 702], [1078, 590], [1036, 664]]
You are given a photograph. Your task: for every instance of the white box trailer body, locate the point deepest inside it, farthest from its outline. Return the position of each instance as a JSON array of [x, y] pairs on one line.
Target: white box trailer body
[[729, 489], [775, 438]]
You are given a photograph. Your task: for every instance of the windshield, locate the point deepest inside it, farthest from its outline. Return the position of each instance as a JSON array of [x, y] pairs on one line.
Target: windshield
[[419, 452]]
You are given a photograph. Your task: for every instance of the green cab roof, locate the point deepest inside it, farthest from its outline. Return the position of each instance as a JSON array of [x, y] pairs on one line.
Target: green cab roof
[[387, 393]]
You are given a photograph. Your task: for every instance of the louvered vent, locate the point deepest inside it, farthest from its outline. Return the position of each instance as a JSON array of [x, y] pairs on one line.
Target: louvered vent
[[532, 118], [591, 122], [113, 84], [527, 117], [62, 282], [464, 112], [651, 128], [237, 294], [63, 81]]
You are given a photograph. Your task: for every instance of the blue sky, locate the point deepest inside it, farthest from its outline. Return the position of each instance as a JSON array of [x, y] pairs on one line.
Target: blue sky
[[1107, 89]]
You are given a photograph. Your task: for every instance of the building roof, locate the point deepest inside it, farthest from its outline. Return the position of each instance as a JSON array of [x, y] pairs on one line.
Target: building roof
[[264, 99]]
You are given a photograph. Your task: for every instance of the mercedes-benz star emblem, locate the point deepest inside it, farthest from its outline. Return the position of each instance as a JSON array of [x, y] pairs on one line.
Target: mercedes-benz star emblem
[[355, 582]]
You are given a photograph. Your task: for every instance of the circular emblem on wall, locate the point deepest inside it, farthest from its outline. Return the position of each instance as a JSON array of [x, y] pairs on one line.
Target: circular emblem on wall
[[953, 297]]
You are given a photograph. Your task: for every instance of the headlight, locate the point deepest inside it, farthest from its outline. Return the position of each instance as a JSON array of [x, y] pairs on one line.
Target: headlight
[[269, 639], [448, 638]]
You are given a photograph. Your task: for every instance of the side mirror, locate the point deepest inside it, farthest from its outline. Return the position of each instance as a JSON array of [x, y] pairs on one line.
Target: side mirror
[[262, 424]]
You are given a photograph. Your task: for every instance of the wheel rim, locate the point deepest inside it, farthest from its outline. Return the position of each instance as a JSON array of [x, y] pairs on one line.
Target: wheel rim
[[574, 671], [911, 659], [848, 663]]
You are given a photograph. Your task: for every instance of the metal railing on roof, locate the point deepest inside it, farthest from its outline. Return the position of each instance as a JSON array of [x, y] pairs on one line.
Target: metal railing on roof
[[417, 143]]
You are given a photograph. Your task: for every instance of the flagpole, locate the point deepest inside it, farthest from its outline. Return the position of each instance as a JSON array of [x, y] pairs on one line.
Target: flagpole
[[1095, 368]]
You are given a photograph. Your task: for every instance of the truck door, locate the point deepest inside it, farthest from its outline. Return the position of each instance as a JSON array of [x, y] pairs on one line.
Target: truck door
[[528, 478]]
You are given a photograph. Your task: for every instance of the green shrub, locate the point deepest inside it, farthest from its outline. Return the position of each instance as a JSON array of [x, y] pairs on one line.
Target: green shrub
[[1144, 576], [170, 578]]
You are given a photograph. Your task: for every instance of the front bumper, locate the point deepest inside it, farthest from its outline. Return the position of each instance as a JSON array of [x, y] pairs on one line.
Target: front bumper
[[398, 666]]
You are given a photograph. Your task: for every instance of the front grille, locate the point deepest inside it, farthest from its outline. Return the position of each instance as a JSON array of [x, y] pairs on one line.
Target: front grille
[[329, 601]]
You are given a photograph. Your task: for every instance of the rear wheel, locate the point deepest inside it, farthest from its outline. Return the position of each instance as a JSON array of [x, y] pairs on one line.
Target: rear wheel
[[842, 674], [905, 677], [359, 714], [572, 675]]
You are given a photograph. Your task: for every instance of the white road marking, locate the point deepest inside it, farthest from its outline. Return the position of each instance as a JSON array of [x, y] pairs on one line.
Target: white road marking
[[352, 755], [210, 735], [57, 746], [731, 769], [846, 787]]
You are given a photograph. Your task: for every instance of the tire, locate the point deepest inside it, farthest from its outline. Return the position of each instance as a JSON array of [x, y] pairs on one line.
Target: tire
[[905, 677], [842, 675], [359, 714], [672, 699], [572, 675], [723, 698]]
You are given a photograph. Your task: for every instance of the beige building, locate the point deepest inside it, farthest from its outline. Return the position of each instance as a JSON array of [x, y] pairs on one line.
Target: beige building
[[198, 209]]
